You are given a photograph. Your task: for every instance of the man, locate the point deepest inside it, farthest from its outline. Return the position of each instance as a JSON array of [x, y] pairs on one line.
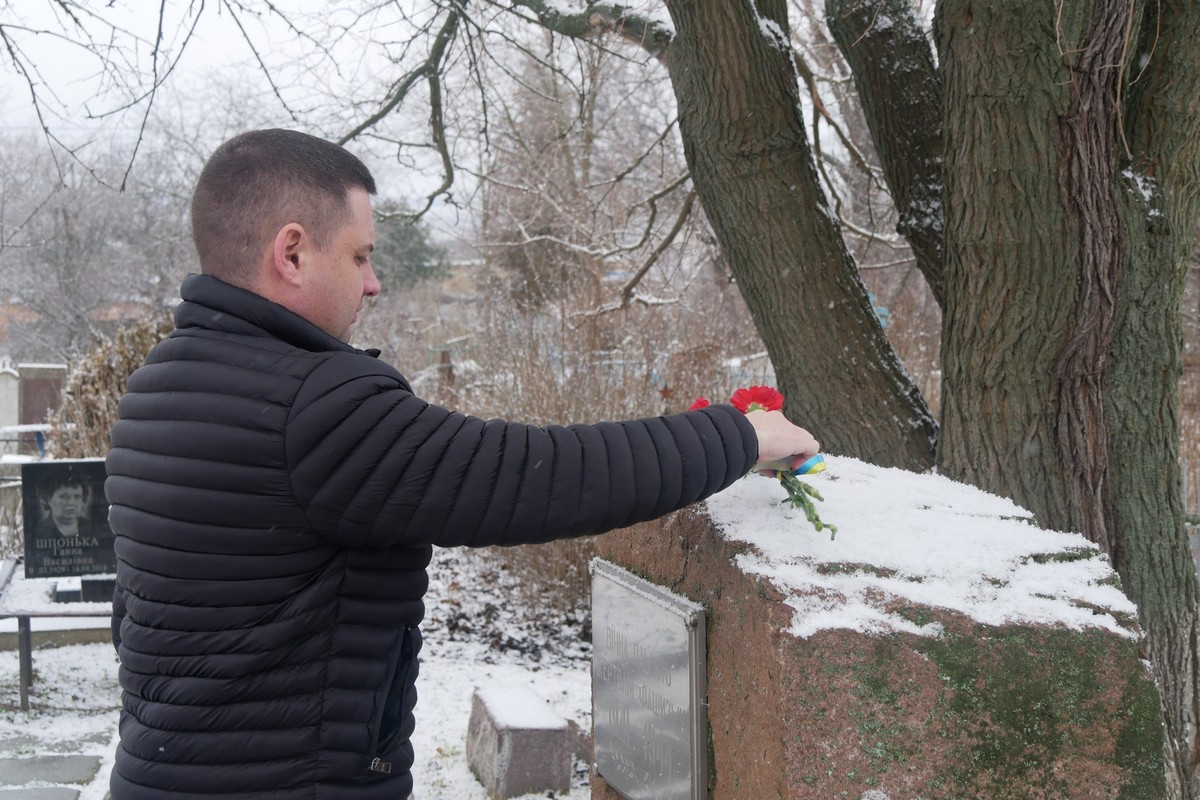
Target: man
[[275, 494]]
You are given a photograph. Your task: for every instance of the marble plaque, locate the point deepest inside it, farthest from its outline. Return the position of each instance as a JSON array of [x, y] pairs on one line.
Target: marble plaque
[[648, 688]]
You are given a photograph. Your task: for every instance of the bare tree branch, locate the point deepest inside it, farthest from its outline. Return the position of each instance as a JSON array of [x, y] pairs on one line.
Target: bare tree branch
[[900, 91], [603, 18], [684, 213], [429, 69], [118, 53]]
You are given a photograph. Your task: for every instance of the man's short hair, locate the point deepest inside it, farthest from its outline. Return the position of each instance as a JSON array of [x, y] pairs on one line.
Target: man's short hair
[[259, 181]]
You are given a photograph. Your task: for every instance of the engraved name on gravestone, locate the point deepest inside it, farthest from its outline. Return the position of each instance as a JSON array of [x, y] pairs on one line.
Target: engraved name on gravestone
[[648, 688], [66, 519]]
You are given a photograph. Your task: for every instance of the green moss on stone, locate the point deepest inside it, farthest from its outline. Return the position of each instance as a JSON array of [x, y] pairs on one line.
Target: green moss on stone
[[1065, 556], [917, 615], [853, 568], [1139, 744], [1018, 702]]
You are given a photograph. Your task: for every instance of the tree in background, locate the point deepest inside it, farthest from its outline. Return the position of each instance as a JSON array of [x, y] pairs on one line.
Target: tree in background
[[404, 254], [81, 258]]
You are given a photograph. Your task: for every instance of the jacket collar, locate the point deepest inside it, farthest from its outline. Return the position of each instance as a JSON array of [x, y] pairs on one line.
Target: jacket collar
[[212, 304]]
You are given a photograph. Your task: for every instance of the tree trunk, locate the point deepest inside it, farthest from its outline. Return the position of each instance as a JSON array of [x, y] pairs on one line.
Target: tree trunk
[[900, 92], [746, 147], [1161, 206], [1011, 273], [1061, 334]]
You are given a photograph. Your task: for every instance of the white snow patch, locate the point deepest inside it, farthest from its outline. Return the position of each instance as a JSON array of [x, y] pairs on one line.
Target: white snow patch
[[919, 538], [519, 707]]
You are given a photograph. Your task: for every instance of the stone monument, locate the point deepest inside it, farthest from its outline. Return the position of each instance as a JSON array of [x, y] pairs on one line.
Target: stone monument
[[66, 521], [940, 647]]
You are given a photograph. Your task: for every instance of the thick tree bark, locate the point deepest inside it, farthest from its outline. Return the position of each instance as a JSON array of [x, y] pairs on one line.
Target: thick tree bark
[[746, 146], [1160, 208], [1087, 178], [1011, 259], [900, 92], [1064, 275]]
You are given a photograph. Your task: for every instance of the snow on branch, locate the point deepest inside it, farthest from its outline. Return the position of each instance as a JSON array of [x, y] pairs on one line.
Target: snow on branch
[[652, 34]]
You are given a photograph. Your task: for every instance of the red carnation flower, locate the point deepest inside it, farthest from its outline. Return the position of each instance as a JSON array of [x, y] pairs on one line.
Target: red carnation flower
[[701, 402], [800, 494], [766, 398]]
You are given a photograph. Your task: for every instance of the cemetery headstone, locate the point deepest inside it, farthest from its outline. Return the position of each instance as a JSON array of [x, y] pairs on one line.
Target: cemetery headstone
[[66, 519]]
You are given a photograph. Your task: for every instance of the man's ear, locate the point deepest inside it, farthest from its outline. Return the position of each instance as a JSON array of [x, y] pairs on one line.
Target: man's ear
[[288, 252]]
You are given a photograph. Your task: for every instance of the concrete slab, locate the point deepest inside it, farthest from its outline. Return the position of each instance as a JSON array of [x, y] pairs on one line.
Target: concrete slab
[[48, 769], [53, 793]]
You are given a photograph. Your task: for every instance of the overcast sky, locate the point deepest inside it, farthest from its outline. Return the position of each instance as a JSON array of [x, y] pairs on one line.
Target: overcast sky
[[68, 77], [217, 86]]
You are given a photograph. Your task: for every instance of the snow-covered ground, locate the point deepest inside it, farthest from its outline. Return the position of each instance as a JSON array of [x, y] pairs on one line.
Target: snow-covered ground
[[76, 692]]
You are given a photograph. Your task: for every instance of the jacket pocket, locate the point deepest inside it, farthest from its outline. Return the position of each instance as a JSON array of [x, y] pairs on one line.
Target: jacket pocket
[[389, 715]]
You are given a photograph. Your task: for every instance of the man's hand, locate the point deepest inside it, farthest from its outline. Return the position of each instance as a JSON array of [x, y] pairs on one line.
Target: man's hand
[[780, 440]]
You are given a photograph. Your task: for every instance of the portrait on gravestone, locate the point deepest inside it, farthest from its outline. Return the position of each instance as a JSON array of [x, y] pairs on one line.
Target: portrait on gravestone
[[66, 519]]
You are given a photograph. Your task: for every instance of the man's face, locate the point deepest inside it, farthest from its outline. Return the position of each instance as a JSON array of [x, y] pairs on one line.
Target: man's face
[[66, 506], [343, 275]]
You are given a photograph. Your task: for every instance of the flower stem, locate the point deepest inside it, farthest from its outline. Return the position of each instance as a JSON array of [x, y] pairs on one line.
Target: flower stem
[[801, 495]]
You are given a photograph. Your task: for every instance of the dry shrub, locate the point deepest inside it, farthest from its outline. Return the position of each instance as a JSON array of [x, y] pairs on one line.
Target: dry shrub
[[81, 426], [12, 541]]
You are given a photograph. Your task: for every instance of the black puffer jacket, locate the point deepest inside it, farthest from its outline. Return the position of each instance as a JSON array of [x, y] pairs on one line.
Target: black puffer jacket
[[275, 494]]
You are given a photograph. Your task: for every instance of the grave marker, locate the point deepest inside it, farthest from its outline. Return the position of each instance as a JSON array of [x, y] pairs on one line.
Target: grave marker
[[66, 519]]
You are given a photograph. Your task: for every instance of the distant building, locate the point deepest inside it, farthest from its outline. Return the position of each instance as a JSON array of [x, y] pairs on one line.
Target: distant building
[[29, 393], [10, 393], [12, 315]]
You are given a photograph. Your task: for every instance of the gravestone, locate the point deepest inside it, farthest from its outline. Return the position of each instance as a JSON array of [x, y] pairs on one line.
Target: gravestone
[[940, 647], [66, 519], [516, 744]]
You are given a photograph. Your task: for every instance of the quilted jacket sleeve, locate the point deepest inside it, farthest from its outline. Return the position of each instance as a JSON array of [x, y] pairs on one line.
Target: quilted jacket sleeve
[[374, 465]]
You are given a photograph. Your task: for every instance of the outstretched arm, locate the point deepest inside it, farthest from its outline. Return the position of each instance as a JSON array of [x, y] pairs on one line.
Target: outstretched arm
[[375, 466]]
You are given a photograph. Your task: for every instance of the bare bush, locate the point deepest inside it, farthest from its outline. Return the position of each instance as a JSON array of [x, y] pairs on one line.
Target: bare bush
[[11, 538], [81, 426]]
